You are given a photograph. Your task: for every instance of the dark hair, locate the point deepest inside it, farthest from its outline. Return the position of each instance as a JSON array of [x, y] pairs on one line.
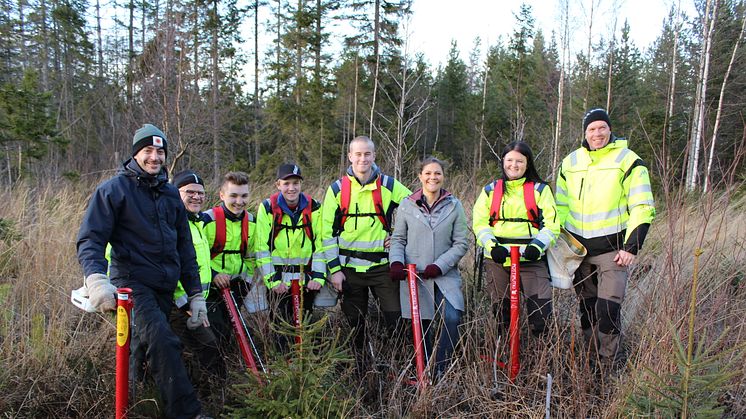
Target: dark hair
[[431, 159], [523, 148]]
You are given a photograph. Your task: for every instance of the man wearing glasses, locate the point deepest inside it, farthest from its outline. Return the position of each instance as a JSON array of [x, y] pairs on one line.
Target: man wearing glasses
[[201, 342]]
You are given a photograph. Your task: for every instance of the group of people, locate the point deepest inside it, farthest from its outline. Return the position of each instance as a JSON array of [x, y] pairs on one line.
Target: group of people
[[176, 258]]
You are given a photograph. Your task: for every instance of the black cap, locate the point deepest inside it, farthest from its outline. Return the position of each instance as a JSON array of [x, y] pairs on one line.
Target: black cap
[[598, 114], [187, 177], [287, 170]]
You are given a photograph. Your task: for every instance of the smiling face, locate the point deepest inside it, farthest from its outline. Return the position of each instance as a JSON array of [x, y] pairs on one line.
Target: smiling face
[[597, 134], [432, 178], [362, 155], [290, 189], [514, 165], [151, 159], [235, 197], [193, 197]]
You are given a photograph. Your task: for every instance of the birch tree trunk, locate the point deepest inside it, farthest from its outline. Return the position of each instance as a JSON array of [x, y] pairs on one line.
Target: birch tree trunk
[[589, 51], [99, 43], [130, 52], [611, 66], [720, 107], [708, 29], [256, 83]]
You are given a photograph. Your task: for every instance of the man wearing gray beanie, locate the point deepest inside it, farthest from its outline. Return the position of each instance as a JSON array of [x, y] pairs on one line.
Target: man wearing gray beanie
[[141, 215]]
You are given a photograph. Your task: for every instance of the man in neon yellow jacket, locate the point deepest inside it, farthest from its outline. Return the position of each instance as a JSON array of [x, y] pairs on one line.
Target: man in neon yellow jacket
[[230, 231], [288, 225], [605, 200], [200, 341], [357, 214]]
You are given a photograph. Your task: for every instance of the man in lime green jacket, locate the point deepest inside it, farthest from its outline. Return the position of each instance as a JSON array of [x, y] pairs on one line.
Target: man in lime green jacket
[[357, 214], [230, 231], [288, 227], [605, 200], [200, 341]]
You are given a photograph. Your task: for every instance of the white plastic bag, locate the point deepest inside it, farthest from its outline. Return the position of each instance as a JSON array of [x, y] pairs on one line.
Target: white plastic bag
[[564, 257], [256, 300], [326, 297]]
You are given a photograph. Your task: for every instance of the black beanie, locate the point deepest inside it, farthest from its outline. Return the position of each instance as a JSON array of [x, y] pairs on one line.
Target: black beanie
[[598, 114], [149, 135], [186, 177]]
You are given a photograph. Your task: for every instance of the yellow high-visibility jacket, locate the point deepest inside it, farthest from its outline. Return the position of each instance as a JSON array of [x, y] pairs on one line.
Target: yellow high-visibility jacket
[[279, 257], [360, 245], [231, 261], [202, 249], [604, 198], [513, 227]]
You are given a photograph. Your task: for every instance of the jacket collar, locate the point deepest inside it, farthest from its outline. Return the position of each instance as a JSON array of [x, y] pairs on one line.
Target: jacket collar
[[130, 168], [418, 197], [231, 216], [302, 202], [614, 143], [374, 172]]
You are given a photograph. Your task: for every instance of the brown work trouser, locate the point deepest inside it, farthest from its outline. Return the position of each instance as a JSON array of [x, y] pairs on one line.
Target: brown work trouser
[[535, 285], [601, 285]]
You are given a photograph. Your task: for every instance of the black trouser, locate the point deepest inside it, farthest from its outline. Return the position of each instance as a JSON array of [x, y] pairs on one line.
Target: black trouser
[[281, 309], [152, 334], [355, 304]]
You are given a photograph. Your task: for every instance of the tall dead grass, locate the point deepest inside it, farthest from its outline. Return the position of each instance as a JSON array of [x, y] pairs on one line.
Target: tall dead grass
[[57, 361]]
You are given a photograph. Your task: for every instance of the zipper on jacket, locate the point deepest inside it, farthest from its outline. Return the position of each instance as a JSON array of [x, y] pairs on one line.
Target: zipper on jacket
[[581, 187]]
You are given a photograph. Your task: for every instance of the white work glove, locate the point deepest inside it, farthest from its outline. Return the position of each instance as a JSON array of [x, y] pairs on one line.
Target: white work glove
[[198, 307], [101, 294]]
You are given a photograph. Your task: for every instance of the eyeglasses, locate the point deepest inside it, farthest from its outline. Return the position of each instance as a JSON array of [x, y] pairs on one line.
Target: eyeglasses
[[194, 193]]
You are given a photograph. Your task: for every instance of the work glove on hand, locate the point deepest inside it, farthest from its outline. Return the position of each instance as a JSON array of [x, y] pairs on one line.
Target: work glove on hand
[[432, 271], [101, 294], [198, 307], [532, 252], [499, 254], [397, 272]]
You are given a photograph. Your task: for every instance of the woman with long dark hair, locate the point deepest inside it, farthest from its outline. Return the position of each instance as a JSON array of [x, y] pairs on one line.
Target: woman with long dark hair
[[517, 210]]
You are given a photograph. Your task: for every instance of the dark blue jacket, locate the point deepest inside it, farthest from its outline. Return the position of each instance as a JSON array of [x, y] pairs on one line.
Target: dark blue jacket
[[143, 218]]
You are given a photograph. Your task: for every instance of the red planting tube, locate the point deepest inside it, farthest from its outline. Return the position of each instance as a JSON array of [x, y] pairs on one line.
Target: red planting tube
[[515, 310], [243, 340], [297, 316], [124, 310], [414, 305]]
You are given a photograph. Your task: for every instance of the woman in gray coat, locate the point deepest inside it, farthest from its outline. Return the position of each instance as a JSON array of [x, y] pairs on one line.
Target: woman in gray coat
[[431, 232]]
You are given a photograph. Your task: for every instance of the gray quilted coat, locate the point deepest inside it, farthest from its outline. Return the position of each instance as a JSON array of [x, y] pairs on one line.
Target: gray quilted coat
[[423, 237]]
